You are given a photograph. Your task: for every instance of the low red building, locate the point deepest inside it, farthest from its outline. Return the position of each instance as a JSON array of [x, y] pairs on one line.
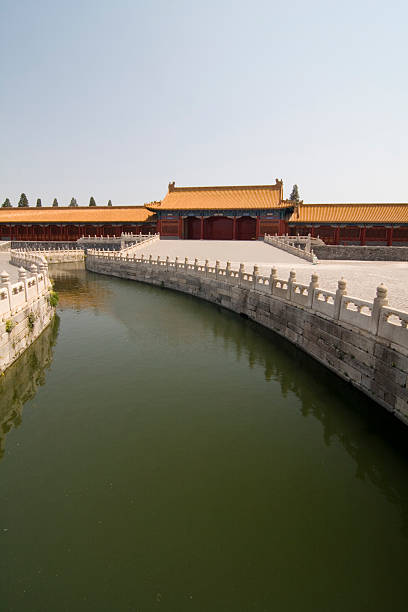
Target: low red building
[[70, 223], [353, 224]]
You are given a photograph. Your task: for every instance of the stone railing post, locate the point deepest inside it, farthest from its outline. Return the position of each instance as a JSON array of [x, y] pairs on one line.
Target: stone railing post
[[228, 269], [5, 285], [142, 258], [291, 280], [217, 269], [240, 273], [22, 278], [341, 290], [44, 272], [186, 263], [206, 267], [34, 272], [314, 283], [176, 263], [195, 264], [255, 274], [167, 262], [272, 278], [150, 259], [158, 260], [379, 301]]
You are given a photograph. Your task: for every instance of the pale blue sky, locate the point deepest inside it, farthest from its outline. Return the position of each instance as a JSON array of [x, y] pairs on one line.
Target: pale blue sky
[[116, 98]]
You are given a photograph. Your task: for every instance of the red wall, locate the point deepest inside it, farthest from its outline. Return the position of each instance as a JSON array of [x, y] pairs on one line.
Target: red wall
[[69, 232]]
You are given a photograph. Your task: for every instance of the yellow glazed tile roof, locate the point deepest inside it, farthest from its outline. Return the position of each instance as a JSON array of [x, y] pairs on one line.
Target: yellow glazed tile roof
[[80, 214], [350, 213], [233, 197]]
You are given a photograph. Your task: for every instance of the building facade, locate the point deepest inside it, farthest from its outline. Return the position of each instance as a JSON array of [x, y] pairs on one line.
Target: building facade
[[222, 213], [215, 213]]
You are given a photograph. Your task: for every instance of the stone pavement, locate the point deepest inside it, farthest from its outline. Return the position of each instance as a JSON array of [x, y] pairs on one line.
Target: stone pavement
[[6, 265], [362, 277]]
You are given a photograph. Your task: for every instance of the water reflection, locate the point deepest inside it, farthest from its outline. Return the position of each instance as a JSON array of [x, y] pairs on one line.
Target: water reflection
[[79, 289], [364, 429], [21, 381]]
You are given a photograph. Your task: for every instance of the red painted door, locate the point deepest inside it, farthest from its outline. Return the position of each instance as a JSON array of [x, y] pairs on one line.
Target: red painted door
[[192, 228], [218, 228], [246, 228]]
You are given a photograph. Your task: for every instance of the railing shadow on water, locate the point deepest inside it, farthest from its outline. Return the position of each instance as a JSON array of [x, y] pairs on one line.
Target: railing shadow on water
[[21, 381]]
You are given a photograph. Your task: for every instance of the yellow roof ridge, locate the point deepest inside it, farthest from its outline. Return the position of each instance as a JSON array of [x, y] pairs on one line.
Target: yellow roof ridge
[[223, 187], [355, 204]]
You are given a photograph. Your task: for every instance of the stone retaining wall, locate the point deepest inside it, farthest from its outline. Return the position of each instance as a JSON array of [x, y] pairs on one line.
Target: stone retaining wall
[[25, 311], [362, 253], [27, 325], [362, 347]]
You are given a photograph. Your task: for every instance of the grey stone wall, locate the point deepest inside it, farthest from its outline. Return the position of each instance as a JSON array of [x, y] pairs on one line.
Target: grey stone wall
[[375, 366], [362, 253], [46, 244]]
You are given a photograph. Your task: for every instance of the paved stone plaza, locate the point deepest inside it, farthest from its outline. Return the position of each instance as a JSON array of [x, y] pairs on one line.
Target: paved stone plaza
[[362, 277], [8, 267]]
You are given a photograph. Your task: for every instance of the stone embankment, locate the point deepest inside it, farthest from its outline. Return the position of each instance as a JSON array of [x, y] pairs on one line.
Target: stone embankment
[[366, 343], [25, 309]]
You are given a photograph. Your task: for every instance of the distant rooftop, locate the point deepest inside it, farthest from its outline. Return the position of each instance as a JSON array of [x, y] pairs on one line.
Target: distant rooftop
[[75, 214]]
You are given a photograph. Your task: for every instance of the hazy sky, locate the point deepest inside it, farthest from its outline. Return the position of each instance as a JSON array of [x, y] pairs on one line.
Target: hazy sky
[[116, 98]]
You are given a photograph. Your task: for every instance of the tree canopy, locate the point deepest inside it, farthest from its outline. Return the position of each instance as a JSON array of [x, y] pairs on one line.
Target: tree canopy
[[110, 203], [73, 202], [6, 203], [55, 202], [92, 201], [23, 202], [38, 205], [294, 196]]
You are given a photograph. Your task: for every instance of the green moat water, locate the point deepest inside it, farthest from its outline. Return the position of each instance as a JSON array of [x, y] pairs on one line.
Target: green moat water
[[159, 453]]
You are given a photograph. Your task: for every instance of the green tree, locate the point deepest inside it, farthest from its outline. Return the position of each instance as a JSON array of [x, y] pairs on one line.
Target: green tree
[[23, 202], [38, 205], [92, 201], [73, 202], [110, 203], [294, 196], [6, 203], [55, 202]]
